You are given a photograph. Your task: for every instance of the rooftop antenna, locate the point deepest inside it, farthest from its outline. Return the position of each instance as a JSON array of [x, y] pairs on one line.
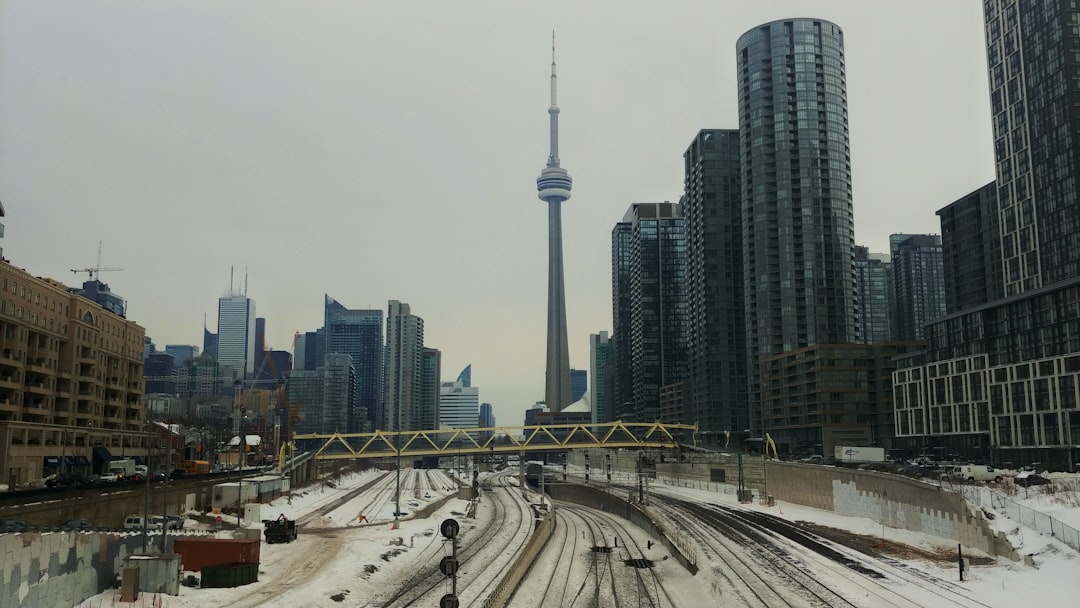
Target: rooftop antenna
[[97, 268], [231, 282], [245, 282]]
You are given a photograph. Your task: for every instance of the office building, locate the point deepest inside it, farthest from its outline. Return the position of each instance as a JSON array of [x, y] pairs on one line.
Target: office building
[[459, 406], [600, 352], [182, 352], [918, 285], [210, 342], [340, 412], [465, 377], [236, 334], [657, 285], [487, 417], [874, 295], [149, 347], [579, 383], [160, 377], [98, 292], [553, 187], [620, 399], [795, 169], [304, 391], [71, 377], [715, 392], [430, 384], [359, 333], [403, 369]]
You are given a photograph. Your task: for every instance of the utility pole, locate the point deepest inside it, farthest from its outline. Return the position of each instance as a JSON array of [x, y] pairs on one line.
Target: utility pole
[[165, 490], [146, 495]]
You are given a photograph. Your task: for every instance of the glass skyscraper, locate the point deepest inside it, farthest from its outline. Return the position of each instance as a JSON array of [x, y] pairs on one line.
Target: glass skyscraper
[[358, 333], [236, 334], [797, 218], [918, 283], [872, 274]]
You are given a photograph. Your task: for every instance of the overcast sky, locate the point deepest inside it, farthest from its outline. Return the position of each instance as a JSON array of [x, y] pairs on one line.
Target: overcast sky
[[389, 150]]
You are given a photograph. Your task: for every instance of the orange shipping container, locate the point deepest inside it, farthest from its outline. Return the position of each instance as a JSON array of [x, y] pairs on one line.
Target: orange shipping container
[[198, 552]]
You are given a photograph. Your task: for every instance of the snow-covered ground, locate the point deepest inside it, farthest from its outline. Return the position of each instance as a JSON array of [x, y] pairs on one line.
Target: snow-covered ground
[[339, 561]]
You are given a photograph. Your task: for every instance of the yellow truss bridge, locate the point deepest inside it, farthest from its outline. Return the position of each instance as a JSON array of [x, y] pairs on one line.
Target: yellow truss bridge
[[498, 440]]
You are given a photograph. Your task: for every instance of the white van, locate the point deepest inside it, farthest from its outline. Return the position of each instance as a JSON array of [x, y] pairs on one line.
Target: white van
[[135, 522], [974, 472]]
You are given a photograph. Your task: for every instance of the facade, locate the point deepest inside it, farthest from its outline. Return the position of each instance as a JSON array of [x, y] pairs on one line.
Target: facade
[[673, 403], [658, 312], [826, 395], [258, 353], [600, 352], [553, 187], [236, 334], [971, 250], [487, 417], [1034, 84], [918, 284], [621, 398], [579, 383], [210, 342], [71, 377], [874, 294], [795, 179], [403, 369], [716, 388], [430, 384], [465, 377], [181, 353], [459, 406], [359, 333], [149, 347], [998, 380]]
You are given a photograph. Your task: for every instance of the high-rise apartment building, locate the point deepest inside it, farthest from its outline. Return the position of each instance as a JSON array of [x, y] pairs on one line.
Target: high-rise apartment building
[[918, 284], [798, 222], [715, 393], [459, 406], [658, 312], [403, 369], [873, 292], [236, 334], [430, 383], [340, 412], [359, 333], [971, 250], [621, 399], [998, 379], [600, 348]]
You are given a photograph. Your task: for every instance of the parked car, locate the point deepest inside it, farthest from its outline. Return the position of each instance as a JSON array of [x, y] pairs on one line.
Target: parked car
[[13, 525], [78, 524], [179, 474], [175, 522], [64, 479], [109, 478], [1026, 481]]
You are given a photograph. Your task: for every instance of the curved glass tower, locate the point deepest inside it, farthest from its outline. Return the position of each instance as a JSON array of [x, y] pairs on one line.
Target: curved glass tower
[[798, 224], [553, 188]]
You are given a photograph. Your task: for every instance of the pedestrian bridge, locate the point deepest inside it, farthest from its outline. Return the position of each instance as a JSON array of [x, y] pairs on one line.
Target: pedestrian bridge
[[497, 440]]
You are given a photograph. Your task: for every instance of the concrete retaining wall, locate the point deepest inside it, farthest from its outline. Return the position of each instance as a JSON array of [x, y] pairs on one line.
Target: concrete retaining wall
[[64, 568], [524, 561]]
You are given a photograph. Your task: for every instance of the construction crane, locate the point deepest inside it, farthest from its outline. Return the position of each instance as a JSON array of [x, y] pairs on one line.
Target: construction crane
[[97, 268]]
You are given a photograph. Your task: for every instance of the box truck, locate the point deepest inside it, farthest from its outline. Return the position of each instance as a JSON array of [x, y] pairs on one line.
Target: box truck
[[850, 453]]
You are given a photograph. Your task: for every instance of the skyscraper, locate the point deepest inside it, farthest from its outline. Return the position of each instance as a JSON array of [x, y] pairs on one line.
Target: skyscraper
[[716, 333], [553, 188], [872, 275], [579, 384], [340, 413], [358, 333], [798, 222], [599, 357], [236, 334], [459, 406], [403, 369], [621, 399], [182, 352], [658, 315], [918, 284], [971, 248]]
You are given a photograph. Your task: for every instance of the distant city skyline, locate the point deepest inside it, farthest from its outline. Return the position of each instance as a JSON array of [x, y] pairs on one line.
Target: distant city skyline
[[250, 149]]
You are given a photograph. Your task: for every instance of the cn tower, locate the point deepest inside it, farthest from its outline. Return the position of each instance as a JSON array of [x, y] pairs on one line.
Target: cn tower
[[554, 187]]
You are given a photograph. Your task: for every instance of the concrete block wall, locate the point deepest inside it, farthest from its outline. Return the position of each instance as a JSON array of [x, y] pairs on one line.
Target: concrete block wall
[[61, 568]]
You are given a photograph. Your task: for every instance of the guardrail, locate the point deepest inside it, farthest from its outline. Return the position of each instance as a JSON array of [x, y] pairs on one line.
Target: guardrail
[[1032, 518], [524, 561]]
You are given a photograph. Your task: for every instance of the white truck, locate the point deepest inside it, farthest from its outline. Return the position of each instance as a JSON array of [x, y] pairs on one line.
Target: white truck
[[123, 468], [850, 453], [972, 473]]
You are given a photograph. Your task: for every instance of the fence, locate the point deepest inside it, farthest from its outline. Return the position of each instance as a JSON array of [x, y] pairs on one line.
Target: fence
[[1003, 505]]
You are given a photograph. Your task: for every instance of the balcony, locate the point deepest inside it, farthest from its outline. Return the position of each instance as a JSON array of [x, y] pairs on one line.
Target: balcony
[[10, 355], [37, 364], [38, 388]]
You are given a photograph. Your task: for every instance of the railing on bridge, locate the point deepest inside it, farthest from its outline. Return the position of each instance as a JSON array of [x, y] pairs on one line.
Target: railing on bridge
[[498, 440]]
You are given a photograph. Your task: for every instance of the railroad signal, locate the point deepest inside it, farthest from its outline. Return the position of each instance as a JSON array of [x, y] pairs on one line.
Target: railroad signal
[[448, 566], [448, 601], [449, 528]]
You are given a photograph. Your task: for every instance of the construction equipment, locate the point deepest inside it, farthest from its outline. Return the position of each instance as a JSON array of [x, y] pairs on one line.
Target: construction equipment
[[97, 268], [280, 530]]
